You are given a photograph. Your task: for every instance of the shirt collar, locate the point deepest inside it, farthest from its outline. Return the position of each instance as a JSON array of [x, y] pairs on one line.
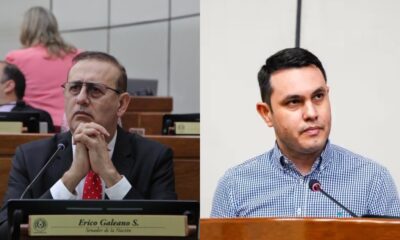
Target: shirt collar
[[282, 162], [7, 107], [326, 156]]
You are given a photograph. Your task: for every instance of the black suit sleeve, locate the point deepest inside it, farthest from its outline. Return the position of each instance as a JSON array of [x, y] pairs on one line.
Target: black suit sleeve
[[161, 184], [19, 179]]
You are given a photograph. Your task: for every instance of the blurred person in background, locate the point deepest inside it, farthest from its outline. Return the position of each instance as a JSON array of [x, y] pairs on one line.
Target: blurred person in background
[[44, 60], [12, 91]]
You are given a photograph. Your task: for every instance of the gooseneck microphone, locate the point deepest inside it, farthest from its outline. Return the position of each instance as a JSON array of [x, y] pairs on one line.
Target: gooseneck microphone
[[60, 147], [315, 186]]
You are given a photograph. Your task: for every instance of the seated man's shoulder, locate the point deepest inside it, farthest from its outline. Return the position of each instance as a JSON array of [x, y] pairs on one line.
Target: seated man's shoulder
[[143, 141], [144, 146], [38, 151], [21, 106], [24, 107], [48, 143]]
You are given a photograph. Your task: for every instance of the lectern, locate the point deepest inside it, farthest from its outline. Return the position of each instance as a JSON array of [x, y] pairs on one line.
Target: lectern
[[300, 228]]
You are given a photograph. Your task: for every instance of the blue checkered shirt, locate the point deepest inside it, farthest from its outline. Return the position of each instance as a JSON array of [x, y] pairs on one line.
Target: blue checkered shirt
[[270, 186]]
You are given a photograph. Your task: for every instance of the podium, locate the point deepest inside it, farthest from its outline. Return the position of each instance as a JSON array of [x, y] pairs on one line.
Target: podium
[[300, 228], [91, 219]]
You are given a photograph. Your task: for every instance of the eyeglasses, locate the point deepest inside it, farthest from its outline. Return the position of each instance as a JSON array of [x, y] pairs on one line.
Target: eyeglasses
[[94, 90]]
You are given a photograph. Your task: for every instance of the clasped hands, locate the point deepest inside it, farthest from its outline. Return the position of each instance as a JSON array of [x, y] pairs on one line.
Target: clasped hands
[[91, 153]]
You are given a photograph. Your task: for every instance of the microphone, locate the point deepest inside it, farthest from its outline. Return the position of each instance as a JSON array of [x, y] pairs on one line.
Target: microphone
[[315, 186], [60, 147]]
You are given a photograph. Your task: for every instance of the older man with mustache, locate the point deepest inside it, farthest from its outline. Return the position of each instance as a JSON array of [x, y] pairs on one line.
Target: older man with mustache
[[101, 160], [296, 104]]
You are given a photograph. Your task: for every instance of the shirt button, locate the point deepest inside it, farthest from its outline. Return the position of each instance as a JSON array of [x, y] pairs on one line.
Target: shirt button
[[301, 181], [299, 211]]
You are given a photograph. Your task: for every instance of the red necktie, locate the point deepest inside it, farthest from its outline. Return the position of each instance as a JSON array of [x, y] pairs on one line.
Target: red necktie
[[92, 188]]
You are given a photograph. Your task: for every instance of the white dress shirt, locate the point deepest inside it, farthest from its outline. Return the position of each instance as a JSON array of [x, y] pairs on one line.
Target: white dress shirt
[[7, 107], [116, 192]]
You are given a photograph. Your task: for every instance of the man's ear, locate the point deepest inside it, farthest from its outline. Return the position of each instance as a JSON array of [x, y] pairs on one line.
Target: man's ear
[[265, 112], [9, 86], [124, 100]]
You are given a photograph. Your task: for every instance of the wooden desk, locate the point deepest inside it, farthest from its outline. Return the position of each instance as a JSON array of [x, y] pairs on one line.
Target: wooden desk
[[186, 161], [147, 112], [299, 228], [151, 121]]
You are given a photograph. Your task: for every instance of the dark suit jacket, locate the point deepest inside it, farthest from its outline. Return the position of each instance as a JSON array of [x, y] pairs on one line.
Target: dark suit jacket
[[146, 164], [21, 106]]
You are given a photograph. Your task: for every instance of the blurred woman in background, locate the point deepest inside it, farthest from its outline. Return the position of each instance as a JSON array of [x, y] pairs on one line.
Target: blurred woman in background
[[44, 60]]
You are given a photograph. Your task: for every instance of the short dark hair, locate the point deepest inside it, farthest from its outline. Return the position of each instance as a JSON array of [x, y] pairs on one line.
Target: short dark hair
[[12, 72], [104, 57], [284, 59]]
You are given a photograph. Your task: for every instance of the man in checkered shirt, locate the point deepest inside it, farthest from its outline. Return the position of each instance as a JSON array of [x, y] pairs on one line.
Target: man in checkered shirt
[[296, 104]]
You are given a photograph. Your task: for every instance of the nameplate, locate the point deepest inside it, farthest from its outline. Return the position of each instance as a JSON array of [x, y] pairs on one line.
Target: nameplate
[[187, 128], [108, 225], [11, 127]]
